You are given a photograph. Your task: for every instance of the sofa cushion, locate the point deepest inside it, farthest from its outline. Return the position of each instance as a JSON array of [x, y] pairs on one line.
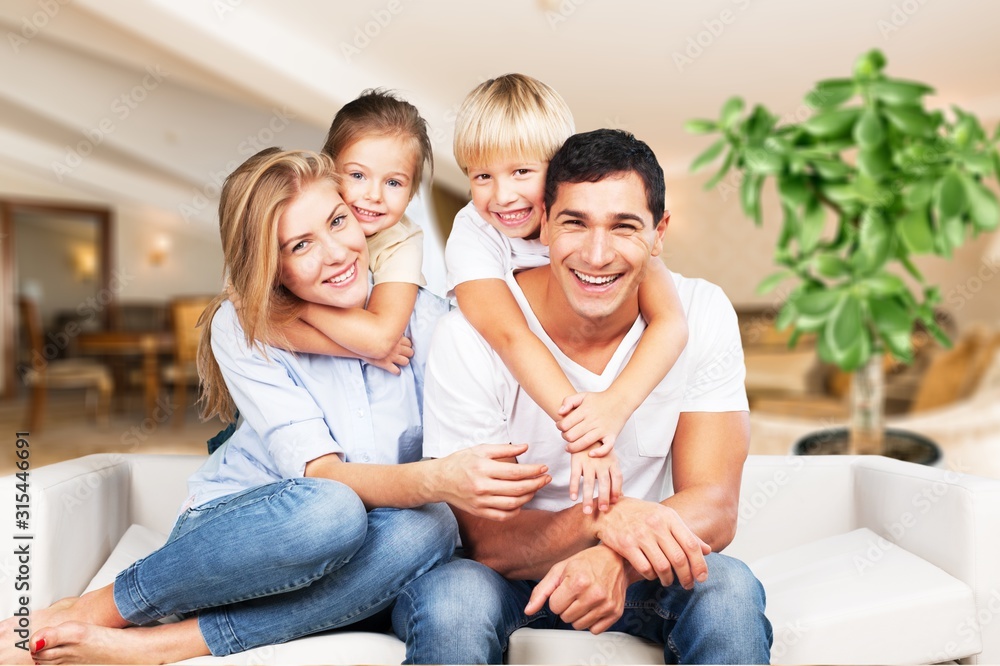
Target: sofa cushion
[[137, 542], [560, 646], [858, 598]]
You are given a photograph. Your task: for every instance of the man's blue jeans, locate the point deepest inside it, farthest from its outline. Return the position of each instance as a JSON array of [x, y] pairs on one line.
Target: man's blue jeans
[[464, 613], [284, 560]]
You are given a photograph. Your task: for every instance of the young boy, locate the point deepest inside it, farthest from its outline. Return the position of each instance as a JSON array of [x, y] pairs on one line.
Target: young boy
[[507, 130]]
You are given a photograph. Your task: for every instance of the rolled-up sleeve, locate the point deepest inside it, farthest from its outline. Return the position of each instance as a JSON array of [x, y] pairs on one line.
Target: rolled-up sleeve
[[283, 414]]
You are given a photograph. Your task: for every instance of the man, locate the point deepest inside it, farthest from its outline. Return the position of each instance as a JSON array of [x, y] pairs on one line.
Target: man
[[650, 565]]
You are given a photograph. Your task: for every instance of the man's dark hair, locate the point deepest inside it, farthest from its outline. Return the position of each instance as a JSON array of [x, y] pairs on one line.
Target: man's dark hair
[[592, 156]]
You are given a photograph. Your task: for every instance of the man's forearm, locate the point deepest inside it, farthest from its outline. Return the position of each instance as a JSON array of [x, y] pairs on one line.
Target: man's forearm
[[526, 547], [708, 511]]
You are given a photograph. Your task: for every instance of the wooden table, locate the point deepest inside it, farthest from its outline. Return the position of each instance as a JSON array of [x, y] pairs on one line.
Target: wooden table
[[145, 344]]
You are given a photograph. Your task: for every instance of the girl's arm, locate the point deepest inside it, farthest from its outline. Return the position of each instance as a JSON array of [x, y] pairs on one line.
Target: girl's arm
[[491, 309], [593, 417], [373, 332]]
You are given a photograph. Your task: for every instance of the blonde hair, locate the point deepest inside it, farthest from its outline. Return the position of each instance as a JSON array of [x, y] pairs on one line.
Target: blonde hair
[[378, 112], [253, 199], [511, 116]]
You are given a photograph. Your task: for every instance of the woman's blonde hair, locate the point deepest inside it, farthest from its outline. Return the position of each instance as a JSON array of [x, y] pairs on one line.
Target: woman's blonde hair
[[510, 116], [378, 112], [253, 199]]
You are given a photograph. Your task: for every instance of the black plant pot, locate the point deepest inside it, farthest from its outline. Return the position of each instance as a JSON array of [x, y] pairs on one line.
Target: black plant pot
[[899, 444]]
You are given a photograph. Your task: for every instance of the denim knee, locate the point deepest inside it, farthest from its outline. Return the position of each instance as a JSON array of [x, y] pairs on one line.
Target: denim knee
[[434, 531], [326, 521]]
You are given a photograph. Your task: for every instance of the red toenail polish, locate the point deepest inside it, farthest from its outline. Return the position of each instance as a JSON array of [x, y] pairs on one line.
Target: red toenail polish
[[40, 645]]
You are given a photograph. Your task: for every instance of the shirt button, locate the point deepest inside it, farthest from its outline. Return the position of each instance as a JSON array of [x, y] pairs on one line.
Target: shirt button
[[361, 413]]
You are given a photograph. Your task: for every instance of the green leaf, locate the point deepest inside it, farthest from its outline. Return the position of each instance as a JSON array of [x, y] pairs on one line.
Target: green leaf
[[918, 194], [911, 268], [731, 111], [820, 302], [937, 333], [708, 155], [951, 201], [899, 92], [900, 345], [983, 207], [700, 126], [844, 331], [768, 284], [910, 120], [840, 193], [811, 226], [890, 316], [876, 163], [875, 240], [831, 169], [954, 231], [762, 161], [832, 124], [786, 315], [885, 284], [869, 64], [835, 93], [914, 229], [831, 266], [793, 191], [750, 197], [723, 170], [868, 131]]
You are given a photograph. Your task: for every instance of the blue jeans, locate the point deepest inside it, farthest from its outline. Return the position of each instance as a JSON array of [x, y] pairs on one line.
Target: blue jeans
[[283, 560], [464, 613]]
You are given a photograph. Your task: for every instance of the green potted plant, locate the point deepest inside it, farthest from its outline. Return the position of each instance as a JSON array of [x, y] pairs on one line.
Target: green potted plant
[[871, 179]]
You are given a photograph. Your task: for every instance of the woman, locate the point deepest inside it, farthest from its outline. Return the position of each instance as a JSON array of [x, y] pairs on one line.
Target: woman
[[312, 515]]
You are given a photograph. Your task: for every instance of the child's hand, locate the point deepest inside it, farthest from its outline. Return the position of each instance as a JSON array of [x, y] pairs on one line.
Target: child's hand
[[397, 358], [603, 471], [589, 418]]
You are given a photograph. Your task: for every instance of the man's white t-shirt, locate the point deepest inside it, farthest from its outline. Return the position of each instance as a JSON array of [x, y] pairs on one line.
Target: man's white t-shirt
[[471, 398], [476, 251]]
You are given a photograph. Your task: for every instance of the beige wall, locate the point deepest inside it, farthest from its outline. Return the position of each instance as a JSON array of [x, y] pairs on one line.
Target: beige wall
[[709, 237]]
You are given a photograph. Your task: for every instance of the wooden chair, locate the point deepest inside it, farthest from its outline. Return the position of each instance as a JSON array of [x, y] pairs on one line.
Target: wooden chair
[[182, 370], [41, 374]]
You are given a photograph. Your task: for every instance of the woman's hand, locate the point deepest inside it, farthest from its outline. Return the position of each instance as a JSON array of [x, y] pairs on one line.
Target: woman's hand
[[480, 481]]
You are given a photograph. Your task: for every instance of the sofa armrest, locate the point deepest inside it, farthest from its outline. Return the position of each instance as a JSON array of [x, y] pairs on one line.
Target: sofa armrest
[[949, 519], [78, 514]]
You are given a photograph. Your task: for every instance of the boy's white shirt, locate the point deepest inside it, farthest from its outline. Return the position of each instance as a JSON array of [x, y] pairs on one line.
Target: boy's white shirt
[[476, 250]]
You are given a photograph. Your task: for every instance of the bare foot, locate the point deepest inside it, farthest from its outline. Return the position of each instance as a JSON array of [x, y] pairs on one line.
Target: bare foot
[[14, 646], [79, 643]]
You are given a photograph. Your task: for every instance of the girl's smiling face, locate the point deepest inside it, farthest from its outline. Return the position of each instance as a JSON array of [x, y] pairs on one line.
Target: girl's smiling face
[[377, 179], [323, 253]]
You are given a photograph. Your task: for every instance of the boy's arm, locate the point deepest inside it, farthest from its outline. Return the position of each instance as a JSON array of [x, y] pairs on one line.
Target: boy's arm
[[369, 333], [301, 337], [491, 309], [595, 416]]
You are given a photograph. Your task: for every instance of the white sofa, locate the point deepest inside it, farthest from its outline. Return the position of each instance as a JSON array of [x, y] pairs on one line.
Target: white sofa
[[864, 559]]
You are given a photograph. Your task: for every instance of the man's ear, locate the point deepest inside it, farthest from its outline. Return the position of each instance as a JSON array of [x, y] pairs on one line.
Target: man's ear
[[543, 234], [661, 229]]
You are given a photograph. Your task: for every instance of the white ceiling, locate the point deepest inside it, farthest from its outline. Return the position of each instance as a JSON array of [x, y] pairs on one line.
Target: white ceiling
[[227, 70]]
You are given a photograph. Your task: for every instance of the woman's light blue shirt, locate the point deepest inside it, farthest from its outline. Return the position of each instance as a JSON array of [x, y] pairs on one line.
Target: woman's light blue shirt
[[295, 408]]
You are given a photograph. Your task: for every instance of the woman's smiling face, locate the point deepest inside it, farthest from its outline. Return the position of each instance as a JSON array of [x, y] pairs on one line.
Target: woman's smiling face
[[324, 257]]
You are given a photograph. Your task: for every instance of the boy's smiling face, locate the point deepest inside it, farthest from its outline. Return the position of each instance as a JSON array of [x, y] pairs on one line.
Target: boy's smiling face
[[510, 195]]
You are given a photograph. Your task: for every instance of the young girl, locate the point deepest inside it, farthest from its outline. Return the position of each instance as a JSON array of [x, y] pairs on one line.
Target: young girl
[[380, 145], [304, 519]]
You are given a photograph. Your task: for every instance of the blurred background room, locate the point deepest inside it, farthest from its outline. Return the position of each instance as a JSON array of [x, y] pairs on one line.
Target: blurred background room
[[119, 120]]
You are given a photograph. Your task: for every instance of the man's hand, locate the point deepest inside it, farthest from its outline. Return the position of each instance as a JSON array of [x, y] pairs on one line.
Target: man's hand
[[478, 481], [655, 541], [586, 590], [604, 472], [397, 358], [591, 418]]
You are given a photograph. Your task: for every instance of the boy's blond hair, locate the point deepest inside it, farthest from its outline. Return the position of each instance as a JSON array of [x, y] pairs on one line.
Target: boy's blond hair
[[511, 116]]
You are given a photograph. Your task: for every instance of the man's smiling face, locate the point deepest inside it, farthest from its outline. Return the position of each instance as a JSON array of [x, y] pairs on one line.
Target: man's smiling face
[[601, 237]]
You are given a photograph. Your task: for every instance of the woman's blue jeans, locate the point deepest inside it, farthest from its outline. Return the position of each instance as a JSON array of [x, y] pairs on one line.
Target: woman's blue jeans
[[464, 613], [283, 560]]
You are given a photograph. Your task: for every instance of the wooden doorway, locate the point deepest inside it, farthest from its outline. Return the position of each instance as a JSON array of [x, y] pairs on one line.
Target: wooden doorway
[[56, 221]]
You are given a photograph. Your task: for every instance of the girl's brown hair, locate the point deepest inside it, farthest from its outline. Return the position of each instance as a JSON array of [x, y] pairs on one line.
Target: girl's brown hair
[[253, 199], [378, 112]]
